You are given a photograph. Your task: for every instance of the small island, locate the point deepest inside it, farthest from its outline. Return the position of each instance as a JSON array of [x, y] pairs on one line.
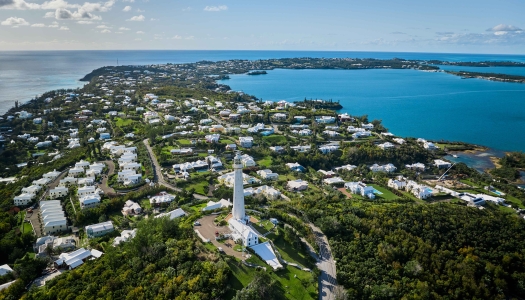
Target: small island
[[489, 76], [257, 73]]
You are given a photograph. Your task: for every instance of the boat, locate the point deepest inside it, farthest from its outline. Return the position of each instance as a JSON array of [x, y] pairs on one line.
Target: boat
[[454, 155]]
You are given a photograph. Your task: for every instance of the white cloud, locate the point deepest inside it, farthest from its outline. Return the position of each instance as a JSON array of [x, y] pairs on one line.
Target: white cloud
[[140, 10], [106, 31], [140, 32], [64, 28], [15, 22], [177, 37], [130, 1], [138, 39], [137, 18], [123, 28], [216, 8], [127, 8], [503, 27], [189, 37], [18, 5], [85, 22], [49, 14], [153, 19], [38, 25], [103, 27], [54, 25], [119, 32], [187, 8], [65, 14]]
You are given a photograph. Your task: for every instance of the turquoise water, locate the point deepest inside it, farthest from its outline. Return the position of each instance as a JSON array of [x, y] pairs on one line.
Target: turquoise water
[[24, 74], [377, 192], [435, 106]]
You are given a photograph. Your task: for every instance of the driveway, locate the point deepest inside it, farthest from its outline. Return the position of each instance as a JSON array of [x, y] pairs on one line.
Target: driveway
[[35, 221], [104, 185], [207, 229]]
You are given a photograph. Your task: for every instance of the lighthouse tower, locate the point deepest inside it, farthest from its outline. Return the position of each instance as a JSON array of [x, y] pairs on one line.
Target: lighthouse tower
[[238, 189]]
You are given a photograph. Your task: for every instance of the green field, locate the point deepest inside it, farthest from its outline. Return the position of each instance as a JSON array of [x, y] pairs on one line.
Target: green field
[[265, 162], [123, 122], [275, 140], [387, 195], [198, 186]]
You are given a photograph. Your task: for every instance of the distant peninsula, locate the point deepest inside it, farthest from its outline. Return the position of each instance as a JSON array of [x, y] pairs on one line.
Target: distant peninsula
[[489, 76]]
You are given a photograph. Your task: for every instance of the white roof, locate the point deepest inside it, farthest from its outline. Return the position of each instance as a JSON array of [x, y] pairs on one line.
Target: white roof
[[4, 269], [100, 226], [266, 253], [173, 214]]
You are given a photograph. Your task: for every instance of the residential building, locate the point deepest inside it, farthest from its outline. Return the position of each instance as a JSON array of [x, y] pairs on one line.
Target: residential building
[[211, 205], [58, 192], [267, 174], [100, 229], [361, 188], [297, 185], [246, 141], [131, 208]]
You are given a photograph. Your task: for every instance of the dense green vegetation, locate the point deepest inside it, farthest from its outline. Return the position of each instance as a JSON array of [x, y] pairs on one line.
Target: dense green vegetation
[[164, 261], [395, 251]]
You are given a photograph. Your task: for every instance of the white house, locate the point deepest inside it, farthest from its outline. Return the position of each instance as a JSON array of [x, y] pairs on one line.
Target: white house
[[247, 161], [243, 233], [131, 208], [361, 189], [99, 229], [442, 164], [84, 191], [212, 138], [398, 183], [89, 201], [246, 141], [58, 192], [267, 174], [333, 180], [211, 205], [416, 166], [177, 213], [32, 189], [23, 199], [386, 146], [161, 197], [297, 185], [388, 168], [75, 172], [51, 175]]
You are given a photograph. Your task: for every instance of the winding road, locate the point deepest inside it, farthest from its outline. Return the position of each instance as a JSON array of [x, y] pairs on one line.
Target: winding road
[[159, 178]]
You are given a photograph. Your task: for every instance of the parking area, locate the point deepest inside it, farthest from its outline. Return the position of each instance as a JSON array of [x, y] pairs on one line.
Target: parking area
[[35, 221], [208, 229]]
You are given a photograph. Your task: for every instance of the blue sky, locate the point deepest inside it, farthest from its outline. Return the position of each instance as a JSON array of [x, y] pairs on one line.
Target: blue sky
[[405, 25]]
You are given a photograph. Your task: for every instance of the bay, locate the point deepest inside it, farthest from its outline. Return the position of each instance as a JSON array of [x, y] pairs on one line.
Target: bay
[[435, 106], [25, 74]]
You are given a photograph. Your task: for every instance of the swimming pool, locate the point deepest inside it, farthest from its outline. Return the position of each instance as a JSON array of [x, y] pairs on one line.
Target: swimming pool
[[429, 190], [497, 192], [377, 192]]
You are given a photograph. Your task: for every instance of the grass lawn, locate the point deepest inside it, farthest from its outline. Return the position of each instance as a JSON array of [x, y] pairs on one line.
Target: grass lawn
[[514, 201], [291, 253], [184, 142], [266, 224], [466, 181], [26, 227], [265, 162], [145, 203], [275, 139], [261, 229], [198, 186], [123, 122], [506, 209], [387, 195], [296, 284], [198, 208]]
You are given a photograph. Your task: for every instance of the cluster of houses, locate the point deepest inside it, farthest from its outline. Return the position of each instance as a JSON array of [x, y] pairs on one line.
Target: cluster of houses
[[30, 193], [130, 171], [82, 175]]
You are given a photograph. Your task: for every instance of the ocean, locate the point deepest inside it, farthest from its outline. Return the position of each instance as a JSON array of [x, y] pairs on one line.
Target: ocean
[[410, 103]]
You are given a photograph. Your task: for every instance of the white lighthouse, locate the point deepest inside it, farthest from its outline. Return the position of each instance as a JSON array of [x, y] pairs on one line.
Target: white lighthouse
[[238, 189]]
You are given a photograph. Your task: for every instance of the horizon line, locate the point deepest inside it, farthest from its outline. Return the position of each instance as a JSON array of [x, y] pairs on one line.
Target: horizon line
[[257, 50]]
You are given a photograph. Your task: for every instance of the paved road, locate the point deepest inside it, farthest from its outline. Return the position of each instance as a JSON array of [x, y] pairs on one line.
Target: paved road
[[325, 263], [104, 185], [159, 178]]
